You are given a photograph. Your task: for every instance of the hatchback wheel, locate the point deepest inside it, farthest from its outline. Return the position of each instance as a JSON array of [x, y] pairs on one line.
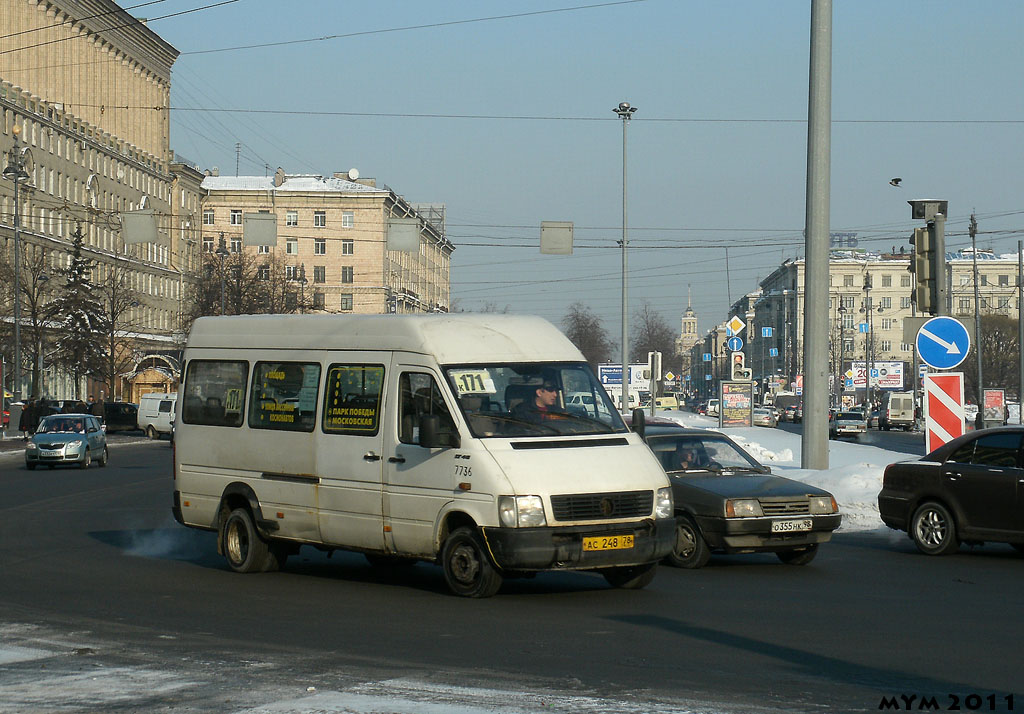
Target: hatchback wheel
[[104, 457], [690, 550], [86, 461], [933, 529]]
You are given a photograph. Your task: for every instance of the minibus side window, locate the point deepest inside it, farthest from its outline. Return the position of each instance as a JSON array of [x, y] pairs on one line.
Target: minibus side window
[[214, 392], [420, 395], [352, 398], [284, 396]]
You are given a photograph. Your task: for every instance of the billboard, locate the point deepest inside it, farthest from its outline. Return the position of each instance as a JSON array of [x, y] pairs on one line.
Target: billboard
[[736, 404], [884, 375], [610, 375]]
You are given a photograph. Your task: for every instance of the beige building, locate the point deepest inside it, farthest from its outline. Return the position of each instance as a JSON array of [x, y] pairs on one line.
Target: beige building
[[88, 87], [334, 232]]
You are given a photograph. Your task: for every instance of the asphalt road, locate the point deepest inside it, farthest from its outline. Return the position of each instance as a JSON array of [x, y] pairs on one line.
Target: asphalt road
[[906, 442], [108, 605]]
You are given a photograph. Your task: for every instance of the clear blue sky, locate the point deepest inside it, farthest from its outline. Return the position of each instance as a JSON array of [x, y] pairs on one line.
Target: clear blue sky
[[711, 161]]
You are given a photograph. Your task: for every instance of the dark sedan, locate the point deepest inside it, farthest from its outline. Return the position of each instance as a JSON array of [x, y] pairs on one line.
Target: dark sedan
[[727, 502], [969, 490]]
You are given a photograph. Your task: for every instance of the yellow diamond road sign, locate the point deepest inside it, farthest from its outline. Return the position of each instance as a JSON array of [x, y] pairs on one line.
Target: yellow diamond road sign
[[849, 373], [736, 325], [669, 376]]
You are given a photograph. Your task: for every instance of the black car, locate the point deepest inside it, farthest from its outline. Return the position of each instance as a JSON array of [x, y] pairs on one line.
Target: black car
[[970, 490], [727, 502], [121, 416]]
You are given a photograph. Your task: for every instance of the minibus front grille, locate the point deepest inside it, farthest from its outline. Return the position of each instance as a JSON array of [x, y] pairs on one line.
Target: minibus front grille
[[601, 506]]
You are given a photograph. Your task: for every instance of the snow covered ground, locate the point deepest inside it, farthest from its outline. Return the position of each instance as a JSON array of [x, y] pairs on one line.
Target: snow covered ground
[[854, 475]]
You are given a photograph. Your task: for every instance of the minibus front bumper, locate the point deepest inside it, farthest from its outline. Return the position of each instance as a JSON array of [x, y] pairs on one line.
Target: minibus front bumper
[[561, 548]]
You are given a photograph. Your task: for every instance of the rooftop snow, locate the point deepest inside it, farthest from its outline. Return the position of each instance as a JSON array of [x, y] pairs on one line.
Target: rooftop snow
[[302, 183]]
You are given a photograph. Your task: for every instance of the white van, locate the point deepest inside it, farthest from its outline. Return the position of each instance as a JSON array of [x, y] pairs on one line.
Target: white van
[[443, 438], [897, 411], [156, 412]]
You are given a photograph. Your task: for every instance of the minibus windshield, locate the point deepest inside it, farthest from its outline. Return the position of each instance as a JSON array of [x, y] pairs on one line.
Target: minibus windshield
[[533, 399]]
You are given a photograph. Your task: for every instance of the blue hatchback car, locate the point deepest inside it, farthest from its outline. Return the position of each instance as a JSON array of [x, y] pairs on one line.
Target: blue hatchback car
[[67, 439]]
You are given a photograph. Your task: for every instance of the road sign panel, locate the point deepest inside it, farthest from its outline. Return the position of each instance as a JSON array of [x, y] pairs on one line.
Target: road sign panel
[[735, 344], [943, 342], [862, 326], [943, 408], [766, 332], [773, 352], [707, 377], [736, 325], [707, 357], [669, 376]]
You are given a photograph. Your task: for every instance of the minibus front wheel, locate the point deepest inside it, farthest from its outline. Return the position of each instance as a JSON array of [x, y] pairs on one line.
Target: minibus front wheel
[[244, 547], [467, 569]]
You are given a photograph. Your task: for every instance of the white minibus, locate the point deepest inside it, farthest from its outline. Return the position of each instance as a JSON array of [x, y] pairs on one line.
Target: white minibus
[[442, 438]]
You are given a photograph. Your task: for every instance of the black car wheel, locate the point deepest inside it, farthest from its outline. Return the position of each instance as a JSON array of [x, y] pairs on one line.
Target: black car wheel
[[244, 548], [467, 569], [800, 556], [690, 550], [933, 529], [633, 577]]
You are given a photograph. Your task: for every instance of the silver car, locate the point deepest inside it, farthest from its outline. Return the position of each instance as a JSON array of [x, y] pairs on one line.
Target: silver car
[[764, 417], [67, 439], [846, 424]]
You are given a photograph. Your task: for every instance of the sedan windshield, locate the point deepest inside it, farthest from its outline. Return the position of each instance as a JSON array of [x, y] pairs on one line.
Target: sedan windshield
[[533, 399], [701, 454], [55, 425], [849, 416]]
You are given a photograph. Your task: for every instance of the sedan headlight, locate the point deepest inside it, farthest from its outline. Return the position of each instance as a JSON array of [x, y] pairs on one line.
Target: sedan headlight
[[743, 508], [31, 446], [663, 506], [822, 505], [521, 511]]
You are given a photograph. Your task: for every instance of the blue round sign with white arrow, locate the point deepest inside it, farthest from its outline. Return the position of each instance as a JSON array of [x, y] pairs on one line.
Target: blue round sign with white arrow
[[943, 342], [735, 344]]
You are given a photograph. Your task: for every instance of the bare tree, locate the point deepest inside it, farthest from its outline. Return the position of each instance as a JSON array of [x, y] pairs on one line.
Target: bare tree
[[651, 333], [585, 330], [999, 357], [35, 299], [121, 323]]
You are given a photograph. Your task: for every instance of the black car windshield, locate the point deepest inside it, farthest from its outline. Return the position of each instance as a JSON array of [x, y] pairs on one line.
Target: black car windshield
[[700, 454], [53, 425], [533, 399]]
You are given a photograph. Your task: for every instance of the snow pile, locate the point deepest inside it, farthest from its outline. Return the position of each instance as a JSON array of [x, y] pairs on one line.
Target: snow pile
[[854, 475]]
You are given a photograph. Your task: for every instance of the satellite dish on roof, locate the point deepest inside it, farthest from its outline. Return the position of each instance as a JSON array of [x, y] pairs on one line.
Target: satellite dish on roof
[[353, 174]]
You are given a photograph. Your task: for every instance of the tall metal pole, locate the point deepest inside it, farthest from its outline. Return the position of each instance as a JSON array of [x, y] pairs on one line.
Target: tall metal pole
[[814, 445], [867, 349], [1020, 328], [980, 394], [625, 112]]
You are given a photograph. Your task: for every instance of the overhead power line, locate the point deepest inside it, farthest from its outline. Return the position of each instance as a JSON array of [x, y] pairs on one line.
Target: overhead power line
[[79, 19]]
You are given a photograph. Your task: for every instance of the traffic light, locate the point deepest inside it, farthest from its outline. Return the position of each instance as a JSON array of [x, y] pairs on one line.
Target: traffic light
[[654, 365], [739, 372], [923, 266]]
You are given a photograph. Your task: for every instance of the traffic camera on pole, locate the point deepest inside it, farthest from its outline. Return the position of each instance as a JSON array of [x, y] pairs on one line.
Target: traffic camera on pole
[[929, 264]]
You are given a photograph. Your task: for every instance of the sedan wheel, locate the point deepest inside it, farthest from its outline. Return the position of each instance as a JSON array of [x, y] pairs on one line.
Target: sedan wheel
[[933, 529], [690, 551], [801, 556]]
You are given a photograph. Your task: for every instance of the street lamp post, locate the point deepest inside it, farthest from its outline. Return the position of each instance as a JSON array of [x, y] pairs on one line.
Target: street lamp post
[[869, 347], [625, 113], [841, 381], [15, 171], [222, 253]]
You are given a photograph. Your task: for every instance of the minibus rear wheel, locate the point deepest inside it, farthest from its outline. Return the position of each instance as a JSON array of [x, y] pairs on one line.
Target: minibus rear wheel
[[244, 548], [631, 577], [467, 569]]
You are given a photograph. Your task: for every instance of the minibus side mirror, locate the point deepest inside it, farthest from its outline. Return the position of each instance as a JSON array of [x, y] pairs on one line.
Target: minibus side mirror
[[432, 436], [639, 422]]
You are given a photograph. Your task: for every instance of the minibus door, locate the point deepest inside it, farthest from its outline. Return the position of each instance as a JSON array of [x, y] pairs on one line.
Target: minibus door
[[418, 481], [349, 451]]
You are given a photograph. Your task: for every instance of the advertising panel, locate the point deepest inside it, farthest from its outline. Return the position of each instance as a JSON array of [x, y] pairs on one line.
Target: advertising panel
[[737, 404], [995, 405], [884, 374]]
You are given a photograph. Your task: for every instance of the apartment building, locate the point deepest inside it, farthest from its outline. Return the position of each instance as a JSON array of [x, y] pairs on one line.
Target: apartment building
[[333, 232]]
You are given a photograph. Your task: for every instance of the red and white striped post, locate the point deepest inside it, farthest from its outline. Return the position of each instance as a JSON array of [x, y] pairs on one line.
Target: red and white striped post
[[943, 408]]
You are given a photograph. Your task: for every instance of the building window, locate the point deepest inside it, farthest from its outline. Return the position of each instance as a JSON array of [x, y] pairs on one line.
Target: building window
[[847, 344], [348, 246], [207, 244], [346, 301], [290, 271], [904, 281], [319, 219], [1004, 281], [887, 323], [236, 245], [262, 249], [236, 217], [886, 345], [849, 302], [319, 274], [263, 273], [1004, 303], [320, 246], [318, 300], [983, 280], [291, 218], [886, 302], [291, 247], [847, 323], [886, 281], [847, 281], [965, 280], [208, 217], [965, 306], [347, 274], [347, 219], [905, 303], [906, 348]]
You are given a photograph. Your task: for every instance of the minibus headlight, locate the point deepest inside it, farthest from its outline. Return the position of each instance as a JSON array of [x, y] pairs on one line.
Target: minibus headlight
[[663, 506], [743, 508], [521, 511], [821, 505]]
